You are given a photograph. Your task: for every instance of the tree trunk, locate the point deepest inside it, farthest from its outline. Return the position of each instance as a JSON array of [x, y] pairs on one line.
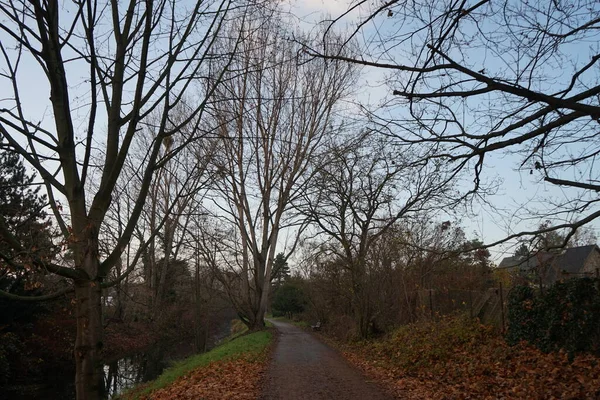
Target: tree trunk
[[169, 233], [254, 320], [260, 317], [262, 306], [360, 301], [200, 322], [258, 322], [88, 343], [361, 313]]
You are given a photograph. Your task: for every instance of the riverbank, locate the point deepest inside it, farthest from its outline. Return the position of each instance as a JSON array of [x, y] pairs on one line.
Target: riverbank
[[135, 353], [232, 370]]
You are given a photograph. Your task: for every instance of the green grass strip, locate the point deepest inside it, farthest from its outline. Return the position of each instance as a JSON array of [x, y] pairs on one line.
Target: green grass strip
[[251, 344], [300, 324]]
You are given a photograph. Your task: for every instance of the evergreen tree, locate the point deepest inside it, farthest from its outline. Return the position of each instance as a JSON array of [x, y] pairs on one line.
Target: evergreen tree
[[281, 269], [522, 251], [289, 300], [23, 221]]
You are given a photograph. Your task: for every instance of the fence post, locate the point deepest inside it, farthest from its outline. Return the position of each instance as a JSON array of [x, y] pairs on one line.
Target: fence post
[[471, 304], [502, 306], [431, 303]]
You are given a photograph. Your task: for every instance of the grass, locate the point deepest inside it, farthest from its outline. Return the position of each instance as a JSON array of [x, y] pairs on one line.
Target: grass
[[299, 324], [252, 344]]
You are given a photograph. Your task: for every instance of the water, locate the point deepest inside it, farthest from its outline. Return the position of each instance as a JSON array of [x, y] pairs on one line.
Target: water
[[141, 367], [119, 374], [127, 372]]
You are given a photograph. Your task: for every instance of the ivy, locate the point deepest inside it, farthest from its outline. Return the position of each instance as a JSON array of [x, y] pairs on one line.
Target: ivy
[[10, 347], [566, 316]]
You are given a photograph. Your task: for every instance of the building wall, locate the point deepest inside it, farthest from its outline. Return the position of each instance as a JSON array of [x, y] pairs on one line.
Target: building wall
[[592, 262]]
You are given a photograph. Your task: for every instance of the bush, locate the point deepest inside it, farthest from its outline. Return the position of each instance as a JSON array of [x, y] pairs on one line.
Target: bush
[[523, 318], [289, 299], [342, 327], [566, 316], [10, 347], [431, 345], [433, 348]]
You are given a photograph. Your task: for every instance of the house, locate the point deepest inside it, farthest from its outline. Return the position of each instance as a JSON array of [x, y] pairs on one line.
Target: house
[[552, 267]]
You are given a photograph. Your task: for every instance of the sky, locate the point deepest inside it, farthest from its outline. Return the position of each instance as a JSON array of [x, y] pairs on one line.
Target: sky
[[517, 190]]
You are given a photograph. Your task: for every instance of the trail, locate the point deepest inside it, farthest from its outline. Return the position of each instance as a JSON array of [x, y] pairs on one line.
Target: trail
[[305, 368]]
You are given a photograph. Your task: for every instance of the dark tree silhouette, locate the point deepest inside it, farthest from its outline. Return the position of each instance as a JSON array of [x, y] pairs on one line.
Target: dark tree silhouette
[[281, 269], [26, 231]]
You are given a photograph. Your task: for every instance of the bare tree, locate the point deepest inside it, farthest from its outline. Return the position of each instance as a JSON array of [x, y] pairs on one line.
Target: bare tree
[[272, 115], [175, 195], [472, 78], [362, 190], [107, 66]]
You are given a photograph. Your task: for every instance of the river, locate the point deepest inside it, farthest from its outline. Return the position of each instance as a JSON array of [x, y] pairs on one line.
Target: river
[[119, 374]]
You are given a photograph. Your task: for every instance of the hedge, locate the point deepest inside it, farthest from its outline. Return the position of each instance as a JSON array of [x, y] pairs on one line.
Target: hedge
[[566, 316]]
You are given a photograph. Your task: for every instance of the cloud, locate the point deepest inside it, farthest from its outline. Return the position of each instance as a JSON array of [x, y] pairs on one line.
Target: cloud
[[303, 8], [334, 7]]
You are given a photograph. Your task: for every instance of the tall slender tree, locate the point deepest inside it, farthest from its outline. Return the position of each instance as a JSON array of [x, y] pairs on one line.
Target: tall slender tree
[[105, 67], [272, 115]]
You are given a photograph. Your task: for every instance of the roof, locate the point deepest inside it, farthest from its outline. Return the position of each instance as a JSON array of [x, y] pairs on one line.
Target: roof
[[524, 262], [571, 260]]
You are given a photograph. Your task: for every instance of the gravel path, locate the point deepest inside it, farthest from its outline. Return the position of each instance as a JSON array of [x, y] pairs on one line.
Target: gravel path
[[305, 368]]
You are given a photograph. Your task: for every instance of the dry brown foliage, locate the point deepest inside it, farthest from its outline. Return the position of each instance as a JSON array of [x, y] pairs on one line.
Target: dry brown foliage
[[485, 368], [221, 380]]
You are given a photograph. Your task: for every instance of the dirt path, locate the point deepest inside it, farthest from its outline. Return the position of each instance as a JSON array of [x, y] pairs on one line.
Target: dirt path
[[305, 368]]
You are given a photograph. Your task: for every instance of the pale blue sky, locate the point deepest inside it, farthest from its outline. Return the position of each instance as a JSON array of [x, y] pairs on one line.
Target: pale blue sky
[[518, 189], [520, 192]]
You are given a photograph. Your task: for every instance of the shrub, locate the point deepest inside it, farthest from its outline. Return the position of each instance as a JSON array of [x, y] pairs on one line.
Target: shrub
[[10, 347], [342, 327], [523, 318], [566, 316], [431, 346], [289, 299]]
